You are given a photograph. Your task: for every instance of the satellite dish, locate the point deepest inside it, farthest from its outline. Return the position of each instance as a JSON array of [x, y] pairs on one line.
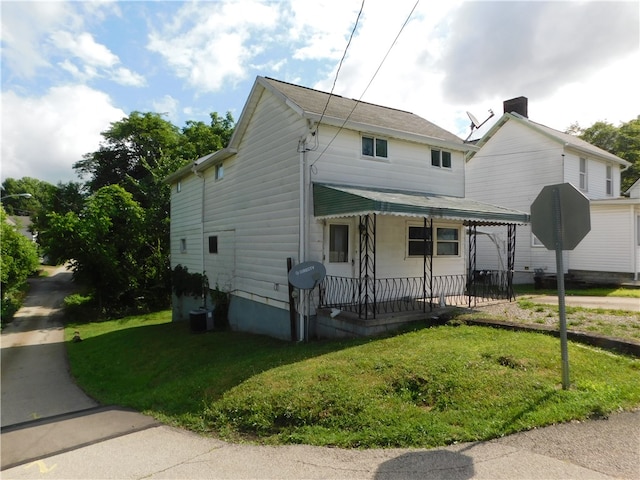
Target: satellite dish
[[474, 121], [307, 275]]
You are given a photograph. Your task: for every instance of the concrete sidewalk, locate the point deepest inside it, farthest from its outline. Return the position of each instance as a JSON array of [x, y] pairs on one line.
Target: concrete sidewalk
[[598, 449]]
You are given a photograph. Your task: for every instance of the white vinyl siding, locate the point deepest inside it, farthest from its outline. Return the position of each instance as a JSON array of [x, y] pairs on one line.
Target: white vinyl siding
[[186, 241], [407, 168], [608, 247], [258, 201]]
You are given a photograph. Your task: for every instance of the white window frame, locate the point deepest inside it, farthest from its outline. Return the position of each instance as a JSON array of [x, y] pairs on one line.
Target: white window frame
[[178, 186], [219, 172], [535, 242], [183, 245], [435, 241], [441, 158], [583, 172], [609, 180], [375, 141]]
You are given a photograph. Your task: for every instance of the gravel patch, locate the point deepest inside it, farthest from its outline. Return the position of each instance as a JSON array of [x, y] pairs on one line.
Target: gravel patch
[[612, 323]]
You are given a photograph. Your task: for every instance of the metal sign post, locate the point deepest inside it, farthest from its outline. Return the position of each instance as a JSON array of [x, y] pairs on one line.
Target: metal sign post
[[564, 352], [560, 218]]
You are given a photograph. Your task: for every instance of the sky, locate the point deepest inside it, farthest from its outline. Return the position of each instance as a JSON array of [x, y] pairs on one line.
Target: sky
[[71, 68]]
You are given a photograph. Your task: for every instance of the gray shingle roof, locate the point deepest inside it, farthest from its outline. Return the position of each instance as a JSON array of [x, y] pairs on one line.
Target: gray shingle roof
[[314, 101]]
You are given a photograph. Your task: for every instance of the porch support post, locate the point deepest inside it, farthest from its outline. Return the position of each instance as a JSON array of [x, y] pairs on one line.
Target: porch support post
[[428, 262], [511, 260], [367, 281], [471, 280], [424, 266]]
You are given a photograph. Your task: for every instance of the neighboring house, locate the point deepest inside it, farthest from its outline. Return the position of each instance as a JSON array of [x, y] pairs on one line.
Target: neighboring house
[[516, 159], [375, 194], [22, 224]]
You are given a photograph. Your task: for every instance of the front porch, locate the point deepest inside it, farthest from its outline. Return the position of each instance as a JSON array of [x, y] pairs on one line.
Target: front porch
[[436, 260]]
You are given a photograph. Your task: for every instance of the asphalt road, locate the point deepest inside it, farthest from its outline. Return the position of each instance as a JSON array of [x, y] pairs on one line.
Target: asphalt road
[[51, 430]]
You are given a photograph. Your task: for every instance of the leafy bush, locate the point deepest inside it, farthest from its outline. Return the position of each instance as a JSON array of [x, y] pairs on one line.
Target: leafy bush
[[18, 260]]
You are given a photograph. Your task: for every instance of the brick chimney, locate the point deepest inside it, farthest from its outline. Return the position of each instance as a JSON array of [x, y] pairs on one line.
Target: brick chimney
[[517, 105]]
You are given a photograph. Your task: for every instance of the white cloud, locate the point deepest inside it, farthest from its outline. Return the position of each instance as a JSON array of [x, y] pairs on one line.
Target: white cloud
[[167, 105], [42, 137], [210, 45], [84, 47], [23, 26], [124, 76]]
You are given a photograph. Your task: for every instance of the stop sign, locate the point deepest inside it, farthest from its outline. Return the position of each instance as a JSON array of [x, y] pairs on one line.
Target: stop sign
[[560, 216]]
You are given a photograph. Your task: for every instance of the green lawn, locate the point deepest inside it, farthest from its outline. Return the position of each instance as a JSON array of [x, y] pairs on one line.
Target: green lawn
[[428, 387]]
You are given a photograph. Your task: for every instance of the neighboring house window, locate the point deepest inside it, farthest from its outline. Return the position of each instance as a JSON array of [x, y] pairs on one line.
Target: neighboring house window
[[583, 173], [213, 244], [338, 243], [419, 242], [219, 172], [374, 147], [179, 186], [447, 241], [183, 245], [535, 241], [609, 180], [440, 158]]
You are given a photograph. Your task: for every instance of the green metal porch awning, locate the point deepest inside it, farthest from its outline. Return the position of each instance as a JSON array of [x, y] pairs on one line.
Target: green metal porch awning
[[334, 201]]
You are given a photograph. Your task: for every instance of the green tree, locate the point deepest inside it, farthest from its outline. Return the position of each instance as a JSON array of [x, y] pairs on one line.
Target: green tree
[[103, 244], [18, 260], [39, 190], [138, 153], [623, 141]]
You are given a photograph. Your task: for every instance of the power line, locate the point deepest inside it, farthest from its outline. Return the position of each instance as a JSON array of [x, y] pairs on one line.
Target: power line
[[353, 31], [370, 81]]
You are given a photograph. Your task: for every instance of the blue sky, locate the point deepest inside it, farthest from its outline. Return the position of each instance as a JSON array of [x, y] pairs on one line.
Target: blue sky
[[71, 68]]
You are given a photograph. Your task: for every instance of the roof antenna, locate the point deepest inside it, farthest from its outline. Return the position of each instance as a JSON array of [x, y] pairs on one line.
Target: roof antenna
[[475, 124]]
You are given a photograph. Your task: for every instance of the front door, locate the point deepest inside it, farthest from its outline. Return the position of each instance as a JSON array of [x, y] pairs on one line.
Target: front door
[[339, 251]]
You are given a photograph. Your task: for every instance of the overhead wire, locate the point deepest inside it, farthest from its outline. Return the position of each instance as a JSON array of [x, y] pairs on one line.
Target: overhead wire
[[395, 40], [344, 55]]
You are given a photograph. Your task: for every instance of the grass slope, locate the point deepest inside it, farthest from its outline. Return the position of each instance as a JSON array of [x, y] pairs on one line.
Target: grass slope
[[423, 388]]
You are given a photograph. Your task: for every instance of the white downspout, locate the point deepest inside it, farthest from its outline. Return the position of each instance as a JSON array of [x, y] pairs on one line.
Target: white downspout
[[302, 300], [202, 253]]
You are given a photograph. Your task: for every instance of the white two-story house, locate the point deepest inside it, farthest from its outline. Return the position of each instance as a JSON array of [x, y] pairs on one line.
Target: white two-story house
[[516, 159], [376, 195]]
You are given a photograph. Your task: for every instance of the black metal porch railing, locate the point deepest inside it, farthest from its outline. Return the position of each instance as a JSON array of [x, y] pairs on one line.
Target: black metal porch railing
[[408, 294]]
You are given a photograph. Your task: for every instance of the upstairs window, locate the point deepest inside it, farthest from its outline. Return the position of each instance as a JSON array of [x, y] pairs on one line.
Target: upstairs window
[[440, 158], [178, 186], [583, 174], [374, 147], [609, 180], [219, 172], [183, 245]]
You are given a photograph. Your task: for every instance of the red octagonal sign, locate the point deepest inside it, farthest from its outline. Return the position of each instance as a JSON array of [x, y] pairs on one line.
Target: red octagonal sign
[[560, 216]]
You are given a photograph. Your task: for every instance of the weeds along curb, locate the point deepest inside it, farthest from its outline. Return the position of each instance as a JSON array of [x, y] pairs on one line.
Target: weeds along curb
[[609, 343]]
